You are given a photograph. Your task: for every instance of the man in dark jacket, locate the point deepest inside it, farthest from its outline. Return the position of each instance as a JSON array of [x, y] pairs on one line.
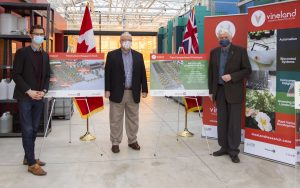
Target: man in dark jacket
[[125, 79], [228, 67], [31, 73]]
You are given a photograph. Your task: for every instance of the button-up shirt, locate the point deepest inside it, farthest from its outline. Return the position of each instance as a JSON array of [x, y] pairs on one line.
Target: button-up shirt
[[223, 61], [128, 68]]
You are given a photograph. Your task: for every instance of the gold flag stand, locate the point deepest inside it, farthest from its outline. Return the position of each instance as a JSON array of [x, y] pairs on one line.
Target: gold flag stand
[[87, 136], [186, 132]]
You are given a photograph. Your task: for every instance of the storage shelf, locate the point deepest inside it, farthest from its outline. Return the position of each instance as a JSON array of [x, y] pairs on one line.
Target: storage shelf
[[24, 9], [20, 38], [35, 13], [8, 101], [10, 134], [39, 134], [6, 67]]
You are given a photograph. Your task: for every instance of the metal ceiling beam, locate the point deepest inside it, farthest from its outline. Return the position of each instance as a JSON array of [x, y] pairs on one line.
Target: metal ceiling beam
[[243, 2], [112, 33], [127, 12]]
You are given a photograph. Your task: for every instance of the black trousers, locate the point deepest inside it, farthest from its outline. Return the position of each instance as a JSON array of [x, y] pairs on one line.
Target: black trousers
[[30, 115], [229, 123]]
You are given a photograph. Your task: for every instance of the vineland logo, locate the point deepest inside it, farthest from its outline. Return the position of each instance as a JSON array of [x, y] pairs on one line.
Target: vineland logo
[[258, 18]]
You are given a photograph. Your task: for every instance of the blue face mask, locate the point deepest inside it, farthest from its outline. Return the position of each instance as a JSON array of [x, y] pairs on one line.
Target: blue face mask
[[38, 39], [224, 42]]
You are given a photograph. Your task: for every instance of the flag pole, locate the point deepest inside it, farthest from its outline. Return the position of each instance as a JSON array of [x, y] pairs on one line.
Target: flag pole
[[185, 132], [87, 136]]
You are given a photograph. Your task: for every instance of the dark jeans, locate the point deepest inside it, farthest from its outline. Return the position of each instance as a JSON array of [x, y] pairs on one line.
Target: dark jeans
[[30, 114], [229, 123]]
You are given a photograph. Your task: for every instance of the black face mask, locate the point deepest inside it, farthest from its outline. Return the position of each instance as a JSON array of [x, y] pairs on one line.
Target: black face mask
[[224, 42]]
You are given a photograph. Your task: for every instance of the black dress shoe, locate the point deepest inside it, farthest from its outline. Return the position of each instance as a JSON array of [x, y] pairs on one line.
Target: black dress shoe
[[115, 149], [235, 159], [220, 153], [134, 146]]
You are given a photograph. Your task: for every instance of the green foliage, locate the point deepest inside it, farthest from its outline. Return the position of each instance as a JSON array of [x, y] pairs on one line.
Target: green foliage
[[261, 100]]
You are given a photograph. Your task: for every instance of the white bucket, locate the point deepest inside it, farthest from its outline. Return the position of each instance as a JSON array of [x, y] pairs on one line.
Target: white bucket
[[8, 24]]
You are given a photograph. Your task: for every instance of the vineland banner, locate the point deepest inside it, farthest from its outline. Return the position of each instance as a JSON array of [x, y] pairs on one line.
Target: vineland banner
[[273, 49], [76, 75], [178, 75], [297, 114], [212, 24]]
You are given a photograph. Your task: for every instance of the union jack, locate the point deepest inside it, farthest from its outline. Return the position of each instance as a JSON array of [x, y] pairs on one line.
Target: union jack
[[190, 45], [190, 39]]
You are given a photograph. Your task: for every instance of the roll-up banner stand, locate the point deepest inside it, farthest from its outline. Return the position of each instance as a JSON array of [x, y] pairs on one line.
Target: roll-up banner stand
[[297, 114], [212, 24], [273, 48]]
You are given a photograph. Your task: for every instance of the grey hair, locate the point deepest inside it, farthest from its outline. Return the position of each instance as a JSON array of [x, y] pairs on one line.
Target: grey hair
[[223, 31], [126, 34]]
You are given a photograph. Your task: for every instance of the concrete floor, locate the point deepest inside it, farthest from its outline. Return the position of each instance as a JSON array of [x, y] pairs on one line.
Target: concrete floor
[[182, 163]]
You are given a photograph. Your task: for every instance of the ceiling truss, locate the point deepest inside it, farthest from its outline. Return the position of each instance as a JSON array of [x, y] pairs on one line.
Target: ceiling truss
[[120, 15]]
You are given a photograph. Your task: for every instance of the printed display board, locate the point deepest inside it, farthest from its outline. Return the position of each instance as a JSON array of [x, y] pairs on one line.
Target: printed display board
[[178, 75], [76, 75]]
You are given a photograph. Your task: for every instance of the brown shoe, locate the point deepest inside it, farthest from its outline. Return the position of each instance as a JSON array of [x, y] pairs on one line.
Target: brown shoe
[[36, 170], [41, 163], [115, 149], [135, 146]]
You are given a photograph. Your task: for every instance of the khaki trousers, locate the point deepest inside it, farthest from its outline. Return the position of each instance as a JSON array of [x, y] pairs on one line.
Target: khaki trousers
[[116, 118]]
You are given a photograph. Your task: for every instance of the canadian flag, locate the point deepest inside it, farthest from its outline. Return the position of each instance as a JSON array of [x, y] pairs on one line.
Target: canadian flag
[[86, 40], [86, 44]]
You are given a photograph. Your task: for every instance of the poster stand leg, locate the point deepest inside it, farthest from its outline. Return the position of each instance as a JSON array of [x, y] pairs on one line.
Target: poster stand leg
[[178, 120], [47, 128], [87, 136], [70, 131], [208, 147]]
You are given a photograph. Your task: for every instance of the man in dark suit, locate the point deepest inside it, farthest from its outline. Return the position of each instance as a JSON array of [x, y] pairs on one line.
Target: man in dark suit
[[31, 73], [125, 79], [228, 67]]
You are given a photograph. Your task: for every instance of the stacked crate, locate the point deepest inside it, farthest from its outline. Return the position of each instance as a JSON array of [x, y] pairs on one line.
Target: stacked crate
[[63, 108]]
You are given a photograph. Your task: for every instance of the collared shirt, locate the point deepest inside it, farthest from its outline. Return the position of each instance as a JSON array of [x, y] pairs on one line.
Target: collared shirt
[[34, 49], [223, 61], [38, 60], [128, 68]]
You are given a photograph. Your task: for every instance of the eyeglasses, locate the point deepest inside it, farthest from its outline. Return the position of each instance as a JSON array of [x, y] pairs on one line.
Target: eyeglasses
[[38, 34]]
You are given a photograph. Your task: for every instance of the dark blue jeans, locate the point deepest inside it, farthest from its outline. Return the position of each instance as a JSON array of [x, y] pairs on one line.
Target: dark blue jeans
[[30, 112]]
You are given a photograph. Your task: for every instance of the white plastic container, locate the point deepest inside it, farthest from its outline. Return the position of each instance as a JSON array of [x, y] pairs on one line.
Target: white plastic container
[[8, 24], [3, 89], [6, 123], [10, 89], [23, 25]]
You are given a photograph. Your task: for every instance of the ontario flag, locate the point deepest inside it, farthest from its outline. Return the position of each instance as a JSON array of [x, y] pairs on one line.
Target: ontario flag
[[190, 45], [86, 44]]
